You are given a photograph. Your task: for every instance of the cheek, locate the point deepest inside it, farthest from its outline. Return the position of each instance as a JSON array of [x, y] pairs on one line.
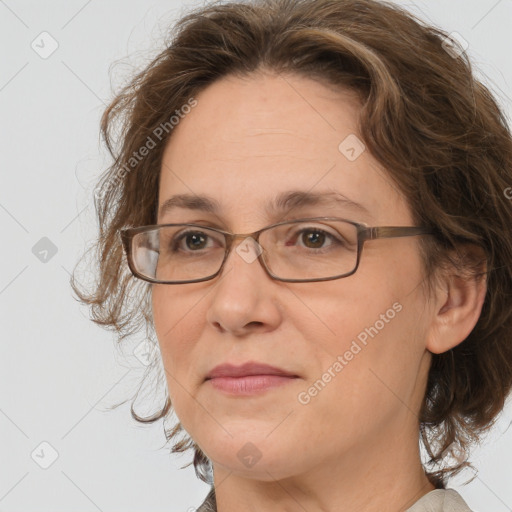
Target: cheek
[[177, 326], [171, 311], [373, 322], [164, 315], [368, 372]]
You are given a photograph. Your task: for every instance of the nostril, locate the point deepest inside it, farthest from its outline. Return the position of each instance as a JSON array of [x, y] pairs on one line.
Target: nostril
[[218, 326]]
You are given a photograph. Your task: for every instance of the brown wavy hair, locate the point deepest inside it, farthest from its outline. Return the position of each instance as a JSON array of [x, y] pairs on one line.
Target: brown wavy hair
[[438, 131]]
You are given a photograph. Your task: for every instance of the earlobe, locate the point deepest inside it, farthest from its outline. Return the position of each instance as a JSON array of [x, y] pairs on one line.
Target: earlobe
[[457, 309]]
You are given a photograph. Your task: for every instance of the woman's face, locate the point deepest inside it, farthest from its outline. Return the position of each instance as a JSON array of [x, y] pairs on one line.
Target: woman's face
[[355, 344]]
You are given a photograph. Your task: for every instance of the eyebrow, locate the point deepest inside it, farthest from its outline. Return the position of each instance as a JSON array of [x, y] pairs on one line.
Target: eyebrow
[[282, 202]]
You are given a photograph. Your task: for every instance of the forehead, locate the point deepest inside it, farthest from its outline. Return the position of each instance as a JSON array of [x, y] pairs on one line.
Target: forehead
[[254, 138], [283, 203]]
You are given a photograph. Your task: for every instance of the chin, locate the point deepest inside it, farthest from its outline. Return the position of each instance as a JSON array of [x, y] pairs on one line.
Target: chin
[[257, 456]]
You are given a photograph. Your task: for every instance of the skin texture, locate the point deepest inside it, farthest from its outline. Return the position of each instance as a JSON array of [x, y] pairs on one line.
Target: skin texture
[[354, 446]]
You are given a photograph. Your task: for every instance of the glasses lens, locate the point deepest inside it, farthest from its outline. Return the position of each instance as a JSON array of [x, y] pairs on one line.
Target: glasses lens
[[178, 253], [295, 250], [310, 249]]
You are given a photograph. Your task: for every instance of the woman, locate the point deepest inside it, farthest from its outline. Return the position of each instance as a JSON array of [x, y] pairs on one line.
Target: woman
[[365, 304]]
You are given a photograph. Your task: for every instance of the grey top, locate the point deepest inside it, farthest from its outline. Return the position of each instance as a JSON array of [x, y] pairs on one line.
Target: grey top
[[438, 500]]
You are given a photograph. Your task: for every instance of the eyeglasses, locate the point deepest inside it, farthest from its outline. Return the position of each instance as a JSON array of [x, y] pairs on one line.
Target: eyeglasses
[[302, 250]]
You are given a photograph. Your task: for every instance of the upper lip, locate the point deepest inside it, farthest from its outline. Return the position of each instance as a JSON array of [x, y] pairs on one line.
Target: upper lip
[[246, 369]]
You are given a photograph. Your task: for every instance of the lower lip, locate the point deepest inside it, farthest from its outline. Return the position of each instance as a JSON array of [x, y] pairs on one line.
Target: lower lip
[[250, 384]]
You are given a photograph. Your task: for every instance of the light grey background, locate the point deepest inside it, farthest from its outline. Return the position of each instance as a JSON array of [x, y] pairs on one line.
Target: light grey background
[[60, 372]]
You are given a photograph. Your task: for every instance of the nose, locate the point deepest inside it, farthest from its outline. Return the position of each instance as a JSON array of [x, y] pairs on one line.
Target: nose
[[244, 298]]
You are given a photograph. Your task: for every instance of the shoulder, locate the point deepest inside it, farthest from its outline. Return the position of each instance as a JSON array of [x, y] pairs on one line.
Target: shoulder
[[440, 500]]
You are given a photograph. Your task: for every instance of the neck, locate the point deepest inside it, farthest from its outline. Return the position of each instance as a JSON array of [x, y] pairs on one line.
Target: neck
[[359, 480]]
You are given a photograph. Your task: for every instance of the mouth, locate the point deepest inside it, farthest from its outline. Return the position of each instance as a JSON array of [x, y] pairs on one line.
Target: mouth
[[248, 379], [249, 384]]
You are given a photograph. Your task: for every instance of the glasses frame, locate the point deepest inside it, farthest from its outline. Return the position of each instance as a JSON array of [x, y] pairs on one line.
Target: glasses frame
[[364, 234]]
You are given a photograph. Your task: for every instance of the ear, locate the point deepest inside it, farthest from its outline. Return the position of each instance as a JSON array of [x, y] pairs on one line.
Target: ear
[[459, 297]]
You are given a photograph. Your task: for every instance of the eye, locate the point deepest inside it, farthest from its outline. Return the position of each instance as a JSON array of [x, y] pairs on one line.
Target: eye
[[193, 241], [315, 238]]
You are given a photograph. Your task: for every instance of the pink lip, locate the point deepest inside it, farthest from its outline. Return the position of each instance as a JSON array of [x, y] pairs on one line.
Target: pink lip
[[248, 385], [249, 378], [246, 369]]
